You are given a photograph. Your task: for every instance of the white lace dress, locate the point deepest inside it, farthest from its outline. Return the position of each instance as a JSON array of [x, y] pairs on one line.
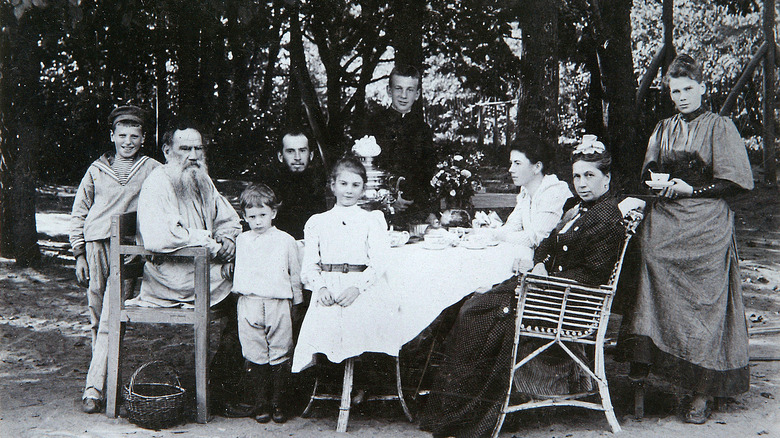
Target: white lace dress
[[370, 324]]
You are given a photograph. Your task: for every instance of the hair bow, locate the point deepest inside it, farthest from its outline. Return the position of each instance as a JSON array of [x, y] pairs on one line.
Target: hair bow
[[590, 145]]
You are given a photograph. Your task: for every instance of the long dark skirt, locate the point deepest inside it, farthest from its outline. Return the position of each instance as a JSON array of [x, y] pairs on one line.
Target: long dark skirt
[[472, 381], [471, 384], [688, 318]]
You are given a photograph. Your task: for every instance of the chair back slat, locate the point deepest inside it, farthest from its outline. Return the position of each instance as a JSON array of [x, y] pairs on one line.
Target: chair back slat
[[631, 221], [560, 307]]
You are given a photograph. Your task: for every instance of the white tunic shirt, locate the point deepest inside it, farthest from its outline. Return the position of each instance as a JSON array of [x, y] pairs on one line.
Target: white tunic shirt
[[535, 216], [167, 223], [267, 266]]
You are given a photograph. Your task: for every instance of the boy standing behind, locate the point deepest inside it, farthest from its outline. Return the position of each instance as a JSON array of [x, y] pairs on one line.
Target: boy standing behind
[[407, 144], [110, 186], [267, 278]]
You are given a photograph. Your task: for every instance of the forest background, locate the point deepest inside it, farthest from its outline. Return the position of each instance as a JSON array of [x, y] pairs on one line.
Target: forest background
[[248, 68]]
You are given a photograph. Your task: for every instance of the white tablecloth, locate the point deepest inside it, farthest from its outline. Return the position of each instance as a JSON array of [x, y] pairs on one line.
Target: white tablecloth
[[429, 281]]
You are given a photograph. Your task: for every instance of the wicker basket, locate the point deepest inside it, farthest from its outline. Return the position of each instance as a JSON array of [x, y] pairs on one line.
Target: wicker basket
[[154, 405]]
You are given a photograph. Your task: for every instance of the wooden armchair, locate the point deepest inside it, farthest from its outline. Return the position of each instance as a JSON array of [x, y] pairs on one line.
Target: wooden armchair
[[562, 312], [123, 232]]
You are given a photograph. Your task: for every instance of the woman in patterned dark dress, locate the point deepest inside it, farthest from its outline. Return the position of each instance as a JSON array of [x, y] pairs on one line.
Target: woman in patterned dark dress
[[470, 385], [688, 322]]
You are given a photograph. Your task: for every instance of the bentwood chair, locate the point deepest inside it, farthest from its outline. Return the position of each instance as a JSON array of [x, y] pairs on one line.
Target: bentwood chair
[[561, 312], [122, 240]]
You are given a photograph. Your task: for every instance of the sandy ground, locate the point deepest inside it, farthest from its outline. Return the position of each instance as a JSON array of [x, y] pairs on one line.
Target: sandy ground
[[45, 350]]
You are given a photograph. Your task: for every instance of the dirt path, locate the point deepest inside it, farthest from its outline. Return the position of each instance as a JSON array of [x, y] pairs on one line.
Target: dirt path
[[45, 350]]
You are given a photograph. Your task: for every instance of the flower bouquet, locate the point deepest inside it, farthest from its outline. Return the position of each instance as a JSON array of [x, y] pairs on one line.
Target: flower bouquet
[[454, 182]]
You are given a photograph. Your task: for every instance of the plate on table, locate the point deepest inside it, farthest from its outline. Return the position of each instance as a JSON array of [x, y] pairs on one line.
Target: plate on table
[[659, 184], [473, 244], [434, 245]]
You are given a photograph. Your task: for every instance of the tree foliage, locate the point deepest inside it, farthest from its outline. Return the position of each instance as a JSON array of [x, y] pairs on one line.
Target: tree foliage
[[246, 68]]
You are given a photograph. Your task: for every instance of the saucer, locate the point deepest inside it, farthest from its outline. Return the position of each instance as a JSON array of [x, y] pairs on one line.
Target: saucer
[[434, 246], [659, 184], [473, 245]]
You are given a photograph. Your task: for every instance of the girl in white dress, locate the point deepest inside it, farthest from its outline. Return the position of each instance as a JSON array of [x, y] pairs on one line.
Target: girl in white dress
[[353, 310]]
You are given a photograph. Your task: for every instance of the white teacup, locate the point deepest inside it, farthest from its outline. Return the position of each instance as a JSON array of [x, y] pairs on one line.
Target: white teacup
[[398, 238], [659, 177]]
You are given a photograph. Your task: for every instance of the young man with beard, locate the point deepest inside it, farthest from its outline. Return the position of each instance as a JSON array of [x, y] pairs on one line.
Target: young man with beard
[[178, 206], [299, 184]]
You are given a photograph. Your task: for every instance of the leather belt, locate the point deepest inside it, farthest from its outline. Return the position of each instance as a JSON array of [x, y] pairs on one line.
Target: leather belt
[[342, 267]]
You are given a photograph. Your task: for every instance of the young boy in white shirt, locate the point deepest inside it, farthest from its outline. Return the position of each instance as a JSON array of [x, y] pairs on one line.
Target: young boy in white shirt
[[267, 278]]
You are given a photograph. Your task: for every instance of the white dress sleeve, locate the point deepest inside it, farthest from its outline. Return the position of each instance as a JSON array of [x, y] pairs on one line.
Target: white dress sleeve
[[378, 247], [546, 212], [294, 269], [534, 219], [513, 231], [311, 273]]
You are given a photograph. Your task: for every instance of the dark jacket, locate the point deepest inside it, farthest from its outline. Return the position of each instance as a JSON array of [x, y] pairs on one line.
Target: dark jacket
[[302, 196], [588, 250], [407, 150]]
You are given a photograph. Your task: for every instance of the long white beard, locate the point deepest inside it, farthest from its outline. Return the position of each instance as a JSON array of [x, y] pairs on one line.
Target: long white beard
[[190, 182]]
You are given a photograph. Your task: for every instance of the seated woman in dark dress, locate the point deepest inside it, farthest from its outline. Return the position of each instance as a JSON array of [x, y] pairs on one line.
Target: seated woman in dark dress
[[470, 385]]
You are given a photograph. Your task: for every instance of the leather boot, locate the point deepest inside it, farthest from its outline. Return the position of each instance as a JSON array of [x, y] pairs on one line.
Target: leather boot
[[281, 378]]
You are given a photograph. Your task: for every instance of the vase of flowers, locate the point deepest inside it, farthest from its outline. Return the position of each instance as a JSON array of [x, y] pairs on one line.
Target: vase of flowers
[[455, 182]]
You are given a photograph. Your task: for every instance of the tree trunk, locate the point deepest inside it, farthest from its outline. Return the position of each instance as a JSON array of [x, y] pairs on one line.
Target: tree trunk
[[162, 99], [25, 234], [617, 71], [188, 50], [25, 126], [407, 32], [300, 74], [273, 54], [329, 47], [538, 98], [6, 181], [594, 118], [371, 51], [770, 92]]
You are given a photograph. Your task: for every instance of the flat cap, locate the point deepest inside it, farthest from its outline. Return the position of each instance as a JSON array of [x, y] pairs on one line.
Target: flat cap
[[126, 113]]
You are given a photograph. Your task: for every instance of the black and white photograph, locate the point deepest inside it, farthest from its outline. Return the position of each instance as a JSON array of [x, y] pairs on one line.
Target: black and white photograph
[[401, 218]]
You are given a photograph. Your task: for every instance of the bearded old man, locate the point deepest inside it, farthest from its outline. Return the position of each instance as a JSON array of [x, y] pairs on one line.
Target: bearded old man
[[179, 206]]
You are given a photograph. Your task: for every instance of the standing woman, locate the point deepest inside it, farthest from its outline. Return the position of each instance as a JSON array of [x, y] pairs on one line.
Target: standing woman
[[688, 324]]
